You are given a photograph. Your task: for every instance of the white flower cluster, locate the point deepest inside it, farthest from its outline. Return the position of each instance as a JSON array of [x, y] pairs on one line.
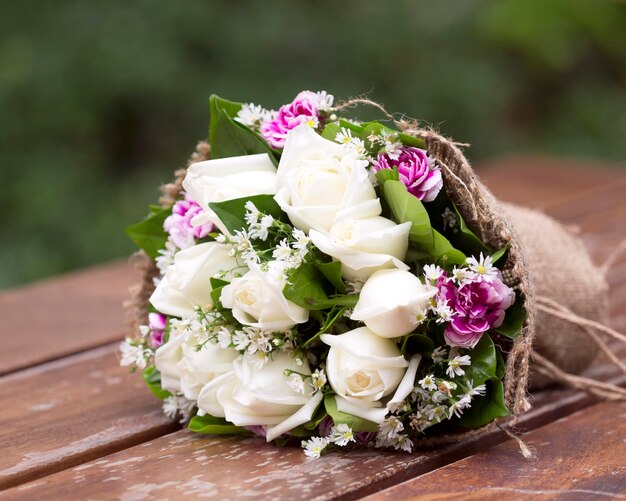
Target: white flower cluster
[[134, 353], [340, 435], [390, 435], [297, 380], [178, 406], [353, 144], [387, 142], [253, 115]]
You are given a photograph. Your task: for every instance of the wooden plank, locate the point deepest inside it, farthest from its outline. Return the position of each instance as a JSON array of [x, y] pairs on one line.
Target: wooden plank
[[66, 412], [538, 182], [581, 456], [54, 318]]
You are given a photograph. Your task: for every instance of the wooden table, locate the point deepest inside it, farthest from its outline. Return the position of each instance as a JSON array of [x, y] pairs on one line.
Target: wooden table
[[75, 425]]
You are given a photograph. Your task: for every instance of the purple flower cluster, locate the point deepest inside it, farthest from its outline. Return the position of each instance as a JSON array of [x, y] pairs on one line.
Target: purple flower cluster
[[417, 171], [477, 305], [156, 323], [304, 108], [179, 226]]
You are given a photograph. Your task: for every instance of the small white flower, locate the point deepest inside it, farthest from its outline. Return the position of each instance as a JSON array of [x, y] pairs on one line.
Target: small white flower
[[443, 311], [432, 272], [253, 115], [282, 252], [224, 338], [315, 446], [312, 121], [296, 383], [439, 354], [462, 276], [341, 435], [397, 407], [324, 101], [479, 390], [418, 421], [241, 340], [454, 365], [439, 397], [177, 405], [435, 413], [428, 382], [144, 330], [252, 213], [301, 240], [132, 354], [403, 443], [390, 427], [446, 386], [166, 256], [456, 409], [344, 136], [449, 218], [483, 267], [465, 402], [318, 379]]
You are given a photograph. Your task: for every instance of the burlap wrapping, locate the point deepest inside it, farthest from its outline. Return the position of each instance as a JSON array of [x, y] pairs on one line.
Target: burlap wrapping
[[543, 259]]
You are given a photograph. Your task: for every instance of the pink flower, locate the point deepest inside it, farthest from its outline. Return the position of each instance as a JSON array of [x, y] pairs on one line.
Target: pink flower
[[156, 323], [304, 108], [417, 171], [179, 226], [478, 306]]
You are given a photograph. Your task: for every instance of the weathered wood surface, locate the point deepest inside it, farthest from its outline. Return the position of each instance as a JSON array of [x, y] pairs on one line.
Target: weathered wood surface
[[65, 412], [37, 451], [54, 318], [579, 457]]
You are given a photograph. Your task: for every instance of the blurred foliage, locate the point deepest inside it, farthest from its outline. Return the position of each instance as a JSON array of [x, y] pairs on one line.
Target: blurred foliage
[[100, 101]]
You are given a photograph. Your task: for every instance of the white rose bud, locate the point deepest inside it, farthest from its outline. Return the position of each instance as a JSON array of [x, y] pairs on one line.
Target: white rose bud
[[187, 281], [225, 179], [362, 368], [318, 179], [185, 369], [364, 246], [392, 301], [261, 396], [258, 301]]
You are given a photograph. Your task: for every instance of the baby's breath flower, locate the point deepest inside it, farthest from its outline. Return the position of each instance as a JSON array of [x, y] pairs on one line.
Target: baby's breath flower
[[341, 435], [428, 382], [253, 115], [483, 267], [462, 276], [439, 354], [432, 272], [449, 218], [454, 365], [475, 391], [315, 446], [390, 427], [318, 379], [296, 383]]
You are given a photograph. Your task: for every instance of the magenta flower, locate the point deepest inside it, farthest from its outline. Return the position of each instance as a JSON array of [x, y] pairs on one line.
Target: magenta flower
[[305, 108], [417, 171], [478, 306], [179, 226], [156, 323]]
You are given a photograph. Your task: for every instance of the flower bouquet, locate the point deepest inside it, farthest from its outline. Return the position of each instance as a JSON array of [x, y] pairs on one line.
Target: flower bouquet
[[330, 281]]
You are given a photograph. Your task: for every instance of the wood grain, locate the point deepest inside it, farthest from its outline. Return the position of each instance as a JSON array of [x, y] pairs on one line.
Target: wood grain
[[70, 411], [58, 317], [581, 456]]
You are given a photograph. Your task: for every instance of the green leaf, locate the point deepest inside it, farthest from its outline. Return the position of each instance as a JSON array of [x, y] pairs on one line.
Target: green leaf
[[149, 234], [486, 408], [338, 417], [332, 272], [443, 251], [417, 343], [484, 362], [514, 319], [209, 425], [408, 208], [152, 378], [232, 212], [229, 138], [305, 286], [348, 301], [331, 131], [499, 254], [412, 141], [384, 175], [468, 239], [356, 128]]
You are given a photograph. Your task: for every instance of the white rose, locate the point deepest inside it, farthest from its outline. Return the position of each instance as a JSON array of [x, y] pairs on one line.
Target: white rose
[[391, 302], [250, 395], [187, 281], [225, 179], [318, 179], [258, 301], [362, 368], [184, 369], [364, 246]]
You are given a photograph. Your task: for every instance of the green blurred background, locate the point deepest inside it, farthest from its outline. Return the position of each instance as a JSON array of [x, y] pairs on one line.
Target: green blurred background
[[100, 101]]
